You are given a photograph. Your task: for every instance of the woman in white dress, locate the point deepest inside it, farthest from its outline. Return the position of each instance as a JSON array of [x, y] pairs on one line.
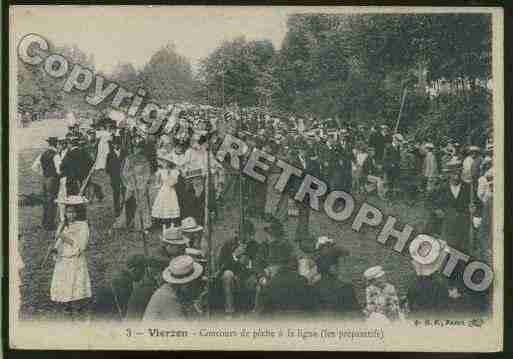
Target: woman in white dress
[[71, 285], [166, 209]]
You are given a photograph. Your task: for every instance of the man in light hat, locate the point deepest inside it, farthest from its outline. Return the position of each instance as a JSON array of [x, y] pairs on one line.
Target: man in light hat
[[429, 294], [173, 244], [50, 166], [429, 168], [174, 300], [193, 233]]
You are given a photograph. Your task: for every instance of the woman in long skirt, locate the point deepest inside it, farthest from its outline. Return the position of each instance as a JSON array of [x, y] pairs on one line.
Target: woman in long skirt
[[166, 210], [71, 285]]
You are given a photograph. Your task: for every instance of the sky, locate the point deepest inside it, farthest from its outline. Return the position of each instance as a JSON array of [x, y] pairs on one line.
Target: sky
[[133, 34]]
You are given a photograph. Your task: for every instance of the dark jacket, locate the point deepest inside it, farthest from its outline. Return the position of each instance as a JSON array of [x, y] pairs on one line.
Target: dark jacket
[[139, 299], [287, 293], [114, 298], [391, 158], [335, 298], [48, 164], [428, 295], [377, 141], [114, 164], [76, 164]]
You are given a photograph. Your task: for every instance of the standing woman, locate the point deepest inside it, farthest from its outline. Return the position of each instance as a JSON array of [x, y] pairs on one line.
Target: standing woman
[[71, 285], [166, 210]]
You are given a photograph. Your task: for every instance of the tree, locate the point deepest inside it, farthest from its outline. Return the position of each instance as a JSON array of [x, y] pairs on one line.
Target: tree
[[168, 76]]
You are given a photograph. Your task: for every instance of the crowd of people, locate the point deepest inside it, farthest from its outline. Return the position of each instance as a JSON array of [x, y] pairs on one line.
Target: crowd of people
[[159, 185]]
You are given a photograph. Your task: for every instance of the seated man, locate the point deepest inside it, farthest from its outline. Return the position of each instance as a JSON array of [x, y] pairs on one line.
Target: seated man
[[237, 277], [173, 245], [429, 294], [143, 290], [333, 297], [283, 291], [111, 302]]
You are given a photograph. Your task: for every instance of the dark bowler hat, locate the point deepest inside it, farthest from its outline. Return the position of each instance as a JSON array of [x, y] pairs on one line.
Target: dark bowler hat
[[52, 141]]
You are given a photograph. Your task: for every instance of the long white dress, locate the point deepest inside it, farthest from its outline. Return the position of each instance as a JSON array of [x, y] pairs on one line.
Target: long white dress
[[70, 279], [166, 203]]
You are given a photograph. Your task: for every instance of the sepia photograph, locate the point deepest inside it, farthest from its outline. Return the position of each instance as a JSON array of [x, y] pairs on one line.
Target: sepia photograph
[[256, 178]]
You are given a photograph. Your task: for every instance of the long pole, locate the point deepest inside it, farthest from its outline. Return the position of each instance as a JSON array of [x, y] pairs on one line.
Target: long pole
[[208, 226], [400, 110]]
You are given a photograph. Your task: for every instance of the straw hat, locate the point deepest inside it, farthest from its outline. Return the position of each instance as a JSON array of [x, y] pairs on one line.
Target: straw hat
[[189, 225], [427, 269], [374, 272], [72, 200], [173, 235], [322, 241], [181, 270]]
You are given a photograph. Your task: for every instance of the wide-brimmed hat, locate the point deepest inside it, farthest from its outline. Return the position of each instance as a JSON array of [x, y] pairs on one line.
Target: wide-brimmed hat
[[72, 200], [189, 225], [181, 270], [173, 235], [52, 141], [429, 145], [427, 269], [280, 252], [374, 272], [473, 148]]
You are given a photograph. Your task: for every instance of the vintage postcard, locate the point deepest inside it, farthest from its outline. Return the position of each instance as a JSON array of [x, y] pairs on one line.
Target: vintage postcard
[[256, 178]]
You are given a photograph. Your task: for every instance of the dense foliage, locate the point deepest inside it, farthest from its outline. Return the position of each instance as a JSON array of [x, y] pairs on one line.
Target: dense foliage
[[351, 67]]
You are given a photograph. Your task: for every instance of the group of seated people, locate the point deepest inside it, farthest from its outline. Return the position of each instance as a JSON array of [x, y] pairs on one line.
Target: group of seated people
[[274, 278]]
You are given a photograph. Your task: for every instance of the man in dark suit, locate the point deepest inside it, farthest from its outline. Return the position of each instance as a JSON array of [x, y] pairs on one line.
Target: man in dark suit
[[453, 205], [284, 291], [75, 166], [50, 184], [307, 161], [392, 163], [114, 164], [334, 298], [343, 157], [377, 141]]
